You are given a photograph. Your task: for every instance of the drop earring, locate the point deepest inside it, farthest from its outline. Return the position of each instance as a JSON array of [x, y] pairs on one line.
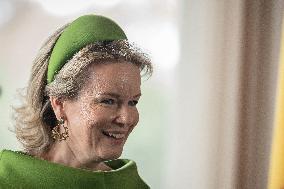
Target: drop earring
[[56, 131]]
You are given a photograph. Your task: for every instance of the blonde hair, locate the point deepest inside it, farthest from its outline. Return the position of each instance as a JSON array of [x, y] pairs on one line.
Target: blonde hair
[[35, 119]]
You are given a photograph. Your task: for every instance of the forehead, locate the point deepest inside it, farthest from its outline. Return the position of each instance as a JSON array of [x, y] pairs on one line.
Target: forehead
[[116, 77]]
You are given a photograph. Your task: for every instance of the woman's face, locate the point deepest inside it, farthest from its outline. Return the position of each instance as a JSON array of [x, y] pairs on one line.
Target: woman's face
[[105, 112]]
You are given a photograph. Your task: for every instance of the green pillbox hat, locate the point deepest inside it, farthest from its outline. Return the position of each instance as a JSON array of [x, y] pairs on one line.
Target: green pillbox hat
[[81, 32]]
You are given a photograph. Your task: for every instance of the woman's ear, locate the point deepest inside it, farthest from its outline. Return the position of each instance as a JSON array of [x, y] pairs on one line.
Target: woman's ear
[[57, 106]]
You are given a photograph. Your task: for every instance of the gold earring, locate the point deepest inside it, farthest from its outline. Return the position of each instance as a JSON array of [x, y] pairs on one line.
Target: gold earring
[[56, 131]]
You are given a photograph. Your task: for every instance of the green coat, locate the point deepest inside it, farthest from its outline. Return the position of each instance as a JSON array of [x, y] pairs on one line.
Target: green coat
[[18, 170]]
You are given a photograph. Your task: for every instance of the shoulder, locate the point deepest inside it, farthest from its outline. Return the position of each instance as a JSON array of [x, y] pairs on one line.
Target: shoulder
[[5, 184], [1, 152], [4, 153], [3, 180]]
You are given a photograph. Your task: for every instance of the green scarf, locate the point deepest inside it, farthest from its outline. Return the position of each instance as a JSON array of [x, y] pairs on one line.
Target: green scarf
[[18, 170]]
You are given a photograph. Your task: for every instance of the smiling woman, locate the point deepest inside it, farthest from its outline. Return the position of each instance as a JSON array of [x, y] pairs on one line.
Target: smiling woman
[[102, 116], [79, 110]]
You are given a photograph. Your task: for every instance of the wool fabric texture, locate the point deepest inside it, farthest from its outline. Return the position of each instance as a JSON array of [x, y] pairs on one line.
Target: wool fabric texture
[[18, 170], [81, 32]]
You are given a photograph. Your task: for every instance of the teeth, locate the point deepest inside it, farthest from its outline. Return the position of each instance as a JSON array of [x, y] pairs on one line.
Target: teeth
[[117, 136]]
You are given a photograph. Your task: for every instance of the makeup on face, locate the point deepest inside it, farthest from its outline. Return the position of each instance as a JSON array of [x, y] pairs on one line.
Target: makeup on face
[[105, 112]]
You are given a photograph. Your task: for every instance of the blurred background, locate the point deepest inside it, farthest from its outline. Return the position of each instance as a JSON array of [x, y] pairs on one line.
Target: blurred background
[[206, 114]]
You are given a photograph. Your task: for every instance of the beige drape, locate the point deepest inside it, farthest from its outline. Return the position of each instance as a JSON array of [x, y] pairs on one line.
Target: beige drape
[[260, 52], [225, 102]]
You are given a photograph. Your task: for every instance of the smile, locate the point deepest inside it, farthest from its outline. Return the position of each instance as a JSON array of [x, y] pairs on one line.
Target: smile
[[114, 135]]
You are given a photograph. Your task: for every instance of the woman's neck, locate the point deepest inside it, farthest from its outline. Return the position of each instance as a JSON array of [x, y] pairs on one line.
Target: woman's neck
[[60, 153]]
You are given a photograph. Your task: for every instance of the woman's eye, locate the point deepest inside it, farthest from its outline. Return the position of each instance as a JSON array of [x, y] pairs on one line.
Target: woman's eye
[[108, 101], [133, 102]]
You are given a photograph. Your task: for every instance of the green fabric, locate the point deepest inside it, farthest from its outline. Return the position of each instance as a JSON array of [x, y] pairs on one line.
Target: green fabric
[[18, 170], [83, 31]]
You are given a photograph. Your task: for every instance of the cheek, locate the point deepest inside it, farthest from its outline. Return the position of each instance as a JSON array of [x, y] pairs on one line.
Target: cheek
[[97, 116], [135, 116]]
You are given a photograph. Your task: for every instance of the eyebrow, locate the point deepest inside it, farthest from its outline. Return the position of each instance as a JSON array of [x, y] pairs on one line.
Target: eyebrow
[[118, 96]]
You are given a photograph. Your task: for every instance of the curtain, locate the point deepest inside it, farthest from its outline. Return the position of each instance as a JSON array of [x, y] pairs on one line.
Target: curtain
[[224, 105]]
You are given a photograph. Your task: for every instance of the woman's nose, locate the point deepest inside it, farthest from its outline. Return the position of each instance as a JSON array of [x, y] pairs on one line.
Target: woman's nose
[[127, 116]]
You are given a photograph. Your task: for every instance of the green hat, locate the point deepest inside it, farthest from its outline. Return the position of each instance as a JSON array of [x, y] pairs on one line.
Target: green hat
[[83, 31]]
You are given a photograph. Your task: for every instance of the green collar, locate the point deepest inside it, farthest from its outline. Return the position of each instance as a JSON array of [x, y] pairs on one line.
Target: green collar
[[22, 171]]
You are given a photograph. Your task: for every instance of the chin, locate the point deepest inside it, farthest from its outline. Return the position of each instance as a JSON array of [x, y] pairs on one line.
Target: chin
[[111, 154]]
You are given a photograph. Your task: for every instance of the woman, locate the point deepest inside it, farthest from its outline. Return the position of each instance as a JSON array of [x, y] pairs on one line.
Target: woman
[[79, 109]]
